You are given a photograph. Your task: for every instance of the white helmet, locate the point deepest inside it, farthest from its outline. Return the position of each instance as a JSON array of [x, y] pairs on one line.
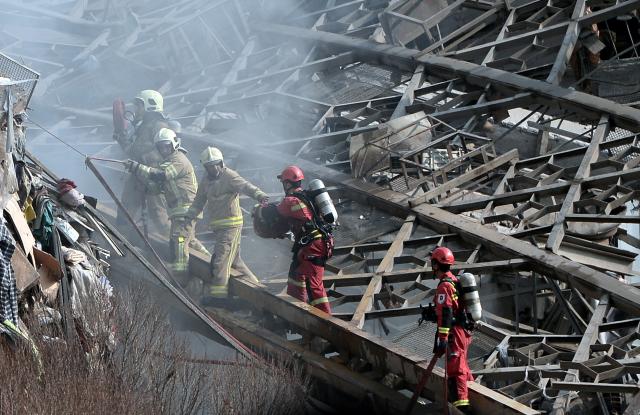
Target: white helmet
[[211, 155], [165, 134], [152, 100]]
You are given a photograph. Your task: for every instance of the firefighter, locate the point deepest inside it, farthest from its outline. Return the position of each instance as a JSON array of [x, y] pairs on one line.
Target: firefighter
[[220, 191], [194, 242], [176, 179], [312, 246], [148, 120], [452, 338]]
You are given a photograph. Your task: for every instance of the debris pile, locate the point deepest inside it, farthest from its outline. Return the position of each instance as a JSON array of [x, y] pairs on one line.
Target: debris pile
[[52, 270]]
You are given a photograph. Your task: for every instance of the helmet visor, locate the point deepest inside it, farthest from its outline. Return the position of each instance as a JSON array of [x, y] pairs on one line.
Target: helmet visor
[[165, 147]]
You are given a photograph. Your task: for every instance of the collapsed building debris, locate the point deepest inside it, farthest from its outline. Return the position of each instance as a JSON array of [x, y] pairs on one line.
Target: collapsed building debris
[[505, 130], [55, 268]]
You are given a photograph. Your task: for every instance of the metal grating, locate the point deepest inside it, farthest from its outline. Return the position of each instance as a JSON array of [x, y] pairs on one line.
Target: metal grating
[[15, 71], [420, 341]]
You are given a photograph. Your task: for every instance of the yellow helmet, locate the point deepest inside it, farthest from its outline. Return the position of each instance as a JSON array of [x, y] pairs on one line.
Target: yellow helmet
[[165, 134], [211, 155], [152, 100]]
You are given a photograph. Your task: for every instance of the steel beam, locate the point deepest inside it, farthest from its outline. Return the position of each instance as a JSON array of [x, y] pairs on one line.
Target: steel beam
[[587, 106]]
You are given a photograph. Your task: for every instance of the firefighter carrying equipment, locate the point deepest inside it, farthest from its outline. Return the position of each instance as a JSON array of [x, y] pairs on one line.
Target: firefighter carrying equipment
[[310, 252], [458, 338], [267, 222], [151, 100], [222, 198], [211, 155], [464, 316]]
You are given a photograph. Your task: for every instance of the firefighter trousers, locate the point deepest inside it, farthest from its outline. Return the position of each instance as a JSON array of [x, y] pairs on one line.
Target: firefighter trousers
[[226, 254], [458, 369], [306, 274], [180, 236], [134, 197]]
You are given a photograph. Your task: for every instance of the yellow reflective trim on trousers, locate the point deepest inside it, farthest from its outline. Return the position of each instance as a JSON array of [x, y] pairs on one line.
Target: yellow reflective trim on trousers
[[301, 284], [461, 402], [227, 222], [219, 290], [179, 210], [320, 300], [223, 280], [298, 207], [443, 330]]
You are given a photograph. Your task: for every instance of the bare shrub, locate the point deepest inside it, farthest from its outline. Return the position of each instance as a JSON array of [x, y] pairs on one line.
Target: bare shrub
[[148, 371]]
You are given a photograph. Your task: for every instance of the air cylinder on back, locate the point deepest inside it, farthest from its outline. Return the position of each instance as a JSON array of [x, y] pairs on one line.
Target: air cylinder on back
[[471, 295], [322, 201]]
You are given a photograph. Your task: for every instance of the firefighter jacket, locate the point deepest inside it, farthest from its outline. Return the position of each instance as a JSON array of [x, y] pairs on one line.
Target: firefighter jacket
[[447, 304], [222, 197], [142, 148], [297, 214], [176, 179]]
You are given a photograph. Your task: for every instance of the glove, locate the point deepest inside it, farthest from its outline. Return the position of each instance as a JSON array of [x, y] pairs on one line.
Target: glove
[[440, 347], [131, 166], [264, 201], [427, 314]]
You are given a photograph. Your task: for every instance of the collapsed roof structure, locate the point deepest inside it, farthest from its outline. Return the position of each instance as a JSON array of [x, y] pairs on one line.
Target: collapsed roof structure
[[505, 130]]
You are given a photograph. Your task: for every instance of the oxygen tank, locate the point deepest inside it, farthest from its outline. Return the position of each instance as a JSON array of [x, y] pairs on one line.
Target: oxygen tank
[[470, 295], [322, 201]]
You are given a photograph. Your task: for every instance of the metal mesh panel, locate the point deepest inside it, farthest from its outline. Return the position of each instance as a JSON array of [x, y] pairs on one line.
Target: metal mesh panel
[[420, 341], [18, 72]]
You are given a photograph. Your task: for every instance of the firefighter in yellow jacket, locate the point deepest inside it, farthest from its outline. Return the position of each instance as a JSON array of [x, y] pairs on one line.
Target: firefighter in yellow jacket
[[176, 179], [220, 191], [149, 119]]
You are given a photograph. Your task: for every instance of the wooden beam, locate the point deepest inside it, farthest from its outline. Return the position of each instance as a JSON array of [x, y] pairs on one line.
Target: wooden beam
[[471, 175], [319, 367], [508, 198], [573, 195], [597, 218], [408, 95], [568, 44], [386, 265], [595, 387], [582, 353]]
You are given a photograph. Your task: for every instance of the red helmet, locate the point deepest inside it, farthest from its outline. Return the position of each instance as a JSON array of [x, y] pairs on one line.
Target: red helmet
[[291, 174], [443, 255]]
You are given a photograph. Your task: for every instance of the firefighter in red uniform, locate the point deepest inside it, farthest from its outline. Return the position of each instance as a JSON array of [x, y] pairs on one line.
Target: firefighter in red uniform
[[452, 337], [312, 246]]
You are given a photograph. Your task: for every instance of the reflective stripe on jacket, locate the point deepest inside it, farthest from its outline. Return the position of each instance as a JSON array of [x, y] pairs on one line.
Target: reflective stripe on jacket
[[177, 180], [222, 198]]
